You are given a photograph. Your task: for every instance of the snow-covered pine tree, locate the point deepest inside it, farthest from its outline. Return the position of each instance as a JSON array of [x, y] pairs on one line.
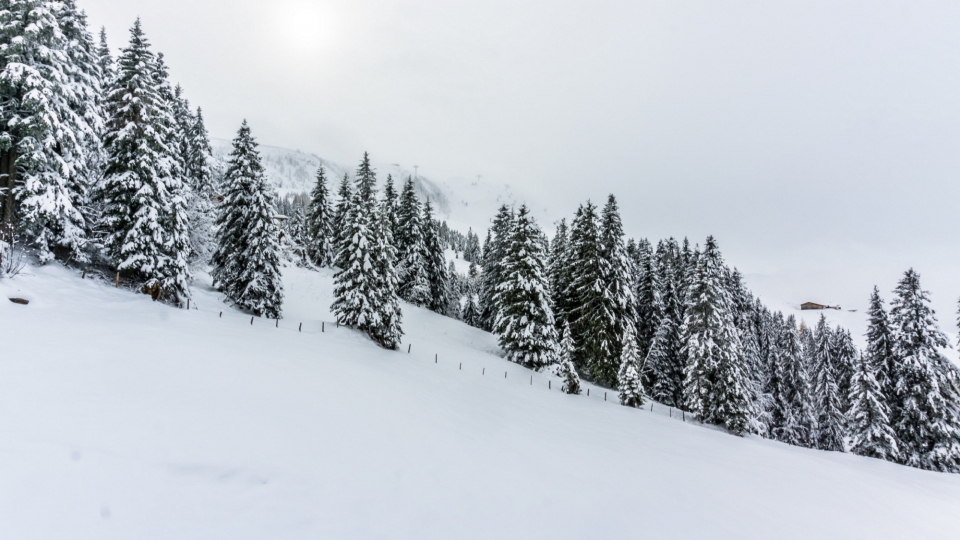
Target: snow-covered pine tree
[[524, 324], [387, 331], [870, 431], [365, 288], [498, 241], [926, 418], [246, 262], [645, 292], [320, 223], [341, 212], [565, 368], [628, 376], [104, 58], [716, 386], [50, 122], [390, 203], [413, 279], [589, 323], [469, 310], [664, 368], [879, 351], [795, 420], [434, 261], [456, 288], [199, 172], [144, 220], [619, 304], [830, 418], [559, 272]]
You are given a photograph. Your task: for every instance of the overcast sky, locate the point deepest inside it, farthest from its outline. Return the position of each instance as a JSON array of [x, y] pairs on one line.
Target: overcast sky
[[812, 138]]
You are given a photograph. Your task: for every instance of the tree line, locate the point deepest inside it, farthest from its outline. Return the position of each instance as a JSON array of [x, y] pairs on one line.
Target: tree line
[[102, 160]]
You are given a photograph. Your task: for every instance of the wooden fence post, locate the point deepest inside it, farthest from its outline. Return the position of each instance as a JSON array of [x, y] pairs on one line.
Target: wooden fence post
[[604, 396], [278, 322], [322, 325], [549, 385], [504, 374], [409, 347], [251, 321], [221, 314], [188, 303], [484, 372], [301, 328], [118, 281], [435, 358], [588, 392], [461, 365]]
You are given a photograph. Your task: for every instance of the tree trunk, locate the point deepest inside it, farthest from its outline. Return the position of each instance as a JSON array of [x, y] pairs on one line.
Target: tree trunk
[[8, 178]]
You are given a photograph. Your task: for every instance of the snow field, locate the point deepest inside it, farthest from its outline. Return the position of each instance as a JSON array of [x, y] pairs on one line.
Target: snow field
[[124, 418]]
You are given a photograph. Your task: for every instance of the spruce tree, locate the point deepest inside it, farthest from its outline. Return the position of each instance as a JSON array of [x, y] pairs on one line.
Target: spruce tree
[[387, 331], [619, 304], [879, 349], [665, 371], [716, 386], [870, 431], [365, 293], [390, 206], [588, 320], [524, 324], [320, 223], [434, 262], [412, 273], [498, 241], [926, 418], [340, 214], [559, 272], [646, 286], [50, 124], [142, 193], [801, 430], [830, 418], [246, 262], [628, 377], [104, 58], [565, 368]]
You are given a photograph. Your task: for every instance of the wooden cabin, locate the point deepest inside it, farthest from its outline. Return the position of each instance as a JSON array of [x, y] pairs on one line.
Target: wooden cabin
[[814, 305]]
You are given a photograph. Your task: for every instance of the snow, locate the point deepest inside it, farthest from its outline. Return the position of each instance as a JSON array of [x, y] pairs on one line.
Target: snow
[[125, 418]]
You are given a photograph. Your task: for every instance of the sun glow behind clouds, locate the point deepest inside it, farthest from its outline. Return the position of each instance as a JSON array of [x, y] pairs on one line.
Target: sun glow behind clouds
[[304, 26]]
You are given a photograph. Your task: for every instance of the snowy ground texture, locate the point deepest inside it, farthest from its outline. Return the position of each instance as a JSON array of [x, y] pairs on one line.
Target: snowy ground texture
[[124, 418]]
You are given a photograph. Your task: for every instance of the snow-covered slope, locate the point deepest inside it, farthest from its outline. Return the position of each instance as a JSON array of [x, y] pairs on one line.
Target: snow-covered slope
[[293, 171], [124, 418]]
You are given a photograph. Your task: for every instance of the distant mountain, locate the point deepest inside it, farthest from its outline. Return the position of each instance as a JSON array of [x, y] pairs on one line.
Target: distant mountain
[[293, 171]]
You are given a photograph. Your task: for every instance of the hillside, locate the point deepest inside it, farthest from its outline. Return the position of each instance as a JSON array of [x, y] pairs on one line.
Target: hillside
[[124, 418]]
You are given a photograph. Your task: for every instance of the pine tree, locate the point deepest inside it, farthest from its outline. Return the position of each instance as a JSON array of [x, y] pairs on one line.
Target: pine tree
[[412, 273], [795, 421], [628, 377], [524, 324], [716, 386], [434, 261], [559, 272], [926, 418], [387, 331], [320, 223], [50, 124], [618, 300], [645, 291], [879, 350], [246, 263], [104, 58], [565, 369], [498, 241], [390, 206], [664, 371], [870, 431], [340, 214], [470, 311], [365, 292], [144, 214], [589, 322], [830, 419]]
